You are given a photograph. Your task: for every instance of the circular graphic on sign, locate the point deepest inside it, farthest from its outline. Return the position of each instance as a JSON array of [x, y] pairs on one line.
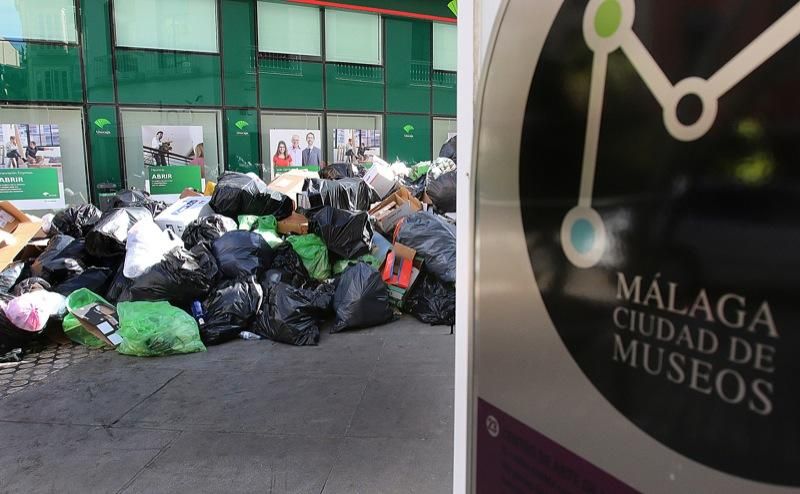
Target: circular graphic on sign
[[660, 196]]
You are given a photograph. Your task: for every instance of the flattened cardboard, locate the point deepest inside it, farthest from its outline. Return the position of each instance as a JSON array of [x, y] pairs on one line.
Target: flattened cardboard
[[189, 192], [296, 223], [19, 229], [101, 320], [381, 178], [290, 184]]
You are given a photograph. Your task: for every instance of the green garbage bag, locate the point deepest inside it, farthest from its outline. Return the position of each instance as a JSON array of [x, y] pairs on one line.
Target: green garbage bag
[[314, 254], [340, 265], [152, 329], [266, 226], [72, 327], [419, 170]]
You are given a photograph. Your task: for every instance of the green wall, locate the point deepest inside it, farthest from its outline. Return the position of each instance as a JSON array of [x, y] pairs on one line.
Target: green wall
[[238, 81]]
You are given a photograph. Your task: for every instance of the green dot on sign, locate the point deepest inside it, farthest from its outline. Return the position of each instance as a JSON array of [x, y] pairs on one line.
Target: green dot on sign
[[608, 18], [582, 236]]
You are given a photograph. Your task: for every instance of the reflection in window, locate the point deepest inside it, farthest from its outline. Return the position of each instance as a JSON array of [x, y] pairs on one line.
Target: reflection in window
[[181, 25], [445, 46], [47, 20]]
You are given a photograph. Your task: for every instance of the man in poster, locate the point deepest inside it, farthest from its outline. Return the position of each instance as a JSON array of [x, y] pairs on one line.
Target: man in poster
[[312, 156], [156, 144], [295, 151]]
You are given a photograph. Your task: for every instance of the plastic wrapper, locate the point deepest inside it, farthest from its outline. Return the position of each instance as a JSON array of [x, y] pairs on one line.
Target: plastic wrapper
[[63, 258], [31, 311], [138, 199], [434, 239], [182, 277], [450, 149], [146, 246], [432, 301], [289, 266], [31, 284], [239, 194], [110, 234], [442, 192], [240, 253], [292, 315], [207, 229], [266, 226], [341, 265], [336, 171], [347, 235], [95, 279], [72, 327], [351, 194], [75, 221], [10, 275], [312, 251], [152, 329], [361, 299], [230, 309]]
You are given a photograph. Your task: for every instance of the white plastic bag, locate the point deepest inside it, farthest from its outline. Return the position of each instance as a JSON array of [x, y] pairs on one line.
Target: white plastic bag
[[31, 311], [146, 247]]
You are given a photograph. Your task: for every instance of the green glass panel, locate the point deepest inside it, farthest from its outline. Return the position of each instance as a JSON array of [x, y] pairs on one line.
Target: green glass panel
[[104, 146], [444, 93], [354, 87], [408, 66], [155, 78], [289, 29], [46, 20], [352, 37], [408, 138], [426, 7], [97, 51], [189, 25], [37, 72], [290, 84], [238, 45], [241, 129], [445, 46]]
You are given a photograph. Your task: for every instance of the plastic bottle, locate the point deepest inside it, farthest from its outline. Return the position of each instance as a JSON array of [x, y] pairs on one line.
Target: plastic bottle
[[198, 314], [247, 335]]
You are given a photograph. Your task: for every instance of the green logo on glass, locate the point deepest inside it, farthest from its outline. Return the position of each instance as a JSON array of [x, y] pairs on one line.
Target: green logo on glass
[[101, 124], [241, 124], [453, 6], [409, 131]]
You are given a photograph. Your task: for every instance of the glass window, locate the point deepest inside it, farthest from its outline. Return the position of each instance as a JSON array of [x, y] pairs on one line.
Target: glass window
[[49, 20], [443, 130], [361, 133], [188, 25], [352, 37], [293, 130], [445, 46], [291, 29]]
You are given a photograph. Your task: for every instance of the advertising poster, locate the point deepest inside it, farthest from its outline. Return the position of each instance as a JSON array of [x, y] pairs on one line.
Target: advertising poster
[[294, 149], [635, 273], [31, 174], [356, 145], [174, 159]]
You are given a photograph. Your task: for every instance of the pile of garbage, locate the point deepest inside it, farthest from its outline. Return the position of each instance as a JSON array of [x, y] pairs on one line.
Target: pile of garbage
[[347, 248]]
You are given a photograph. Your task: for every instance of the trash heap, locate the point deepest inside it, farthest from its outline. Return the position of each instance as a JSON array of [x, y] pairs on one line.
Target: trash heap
[[347, 248]]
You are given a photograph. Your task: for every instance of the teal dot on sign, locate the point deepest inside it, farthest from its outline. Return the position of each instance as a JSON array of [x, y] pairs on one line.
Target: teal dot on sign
[[582, 236]]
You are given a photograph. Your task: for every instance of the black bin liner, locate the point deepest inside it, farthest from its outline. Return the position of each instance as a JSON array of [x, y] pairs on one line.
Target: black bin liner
[[30, 285], [237, 194], [10, 275], [63, 258], [242, 253], [131, 198], [288, 266], [181, 278], [347, 235], [109, 235], [336, 171], [95, 279], [119, 289], [351, 194], [361, 299], [206, 229], [292, 315], [230, 309], [432, 301], [450, 149], [76, 221], [434, 239], [442, 192]]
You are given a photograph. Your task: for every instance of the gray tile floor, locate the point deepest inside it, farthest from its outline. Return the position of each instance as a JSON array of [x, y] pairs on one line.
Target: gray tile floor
[[364, 412]]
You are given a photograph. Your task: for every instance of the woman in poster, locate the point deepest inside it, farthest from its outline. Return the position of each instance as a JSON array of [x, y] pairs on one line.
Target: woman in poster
[[12, 152], [282, 156], [199, 159]]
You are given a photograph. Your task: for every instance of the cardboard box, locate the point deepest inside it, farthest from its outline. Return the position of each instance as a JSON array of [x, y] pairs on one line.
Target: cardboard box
[[381, 178], [398, 267], [380, 247], [189, 192], [17, 230], [290, 183], [296, 223], [183, 212], [387, 215], [101, 320]]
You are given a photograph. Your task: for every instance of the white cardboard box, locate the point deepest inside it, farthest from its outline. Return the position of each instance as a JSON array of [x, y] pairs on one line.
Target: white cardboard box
[[381, 178], [183, 212]]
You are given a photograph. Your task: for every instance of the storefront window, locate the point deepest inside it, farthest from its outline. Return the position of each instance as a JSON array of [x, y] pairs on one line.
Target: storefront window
[[181, 25], [301, 135], [445, 43], [46, 20], [443, 129], [352, 37], [289, 29], [363, 134]]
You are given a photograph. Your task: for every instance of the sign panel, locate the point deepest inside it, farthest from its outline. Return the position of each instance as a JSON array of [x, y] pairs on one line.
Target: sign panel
[[32, 189], [294, 147], [640, 321], [31, 170], [165, 183]]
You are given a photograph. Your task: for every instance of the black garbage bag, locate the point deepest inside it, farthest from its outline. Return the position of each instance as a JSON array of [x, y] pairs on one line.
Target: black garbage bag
[[292, 315], [449, 149], [120, 288], [138, 199], [230, 309], [182, 277], [241, 253], [347, 235], [432, 301], [288, 265], [30, 285], [108, 237], [351, 194], [416, 187], [336, 171], [95, 279], [63, 258], [361, 299], [434, 239], [13, 337], [237, 194], [207, 229], [76, 221], [442, 192], [10, 275]]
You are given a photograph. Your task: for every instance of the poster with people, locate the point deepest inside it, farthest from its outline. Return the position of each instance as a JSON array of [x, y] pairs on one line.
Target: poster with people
[[292, 149], [31, 173], [174, 159], [356, 145]]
